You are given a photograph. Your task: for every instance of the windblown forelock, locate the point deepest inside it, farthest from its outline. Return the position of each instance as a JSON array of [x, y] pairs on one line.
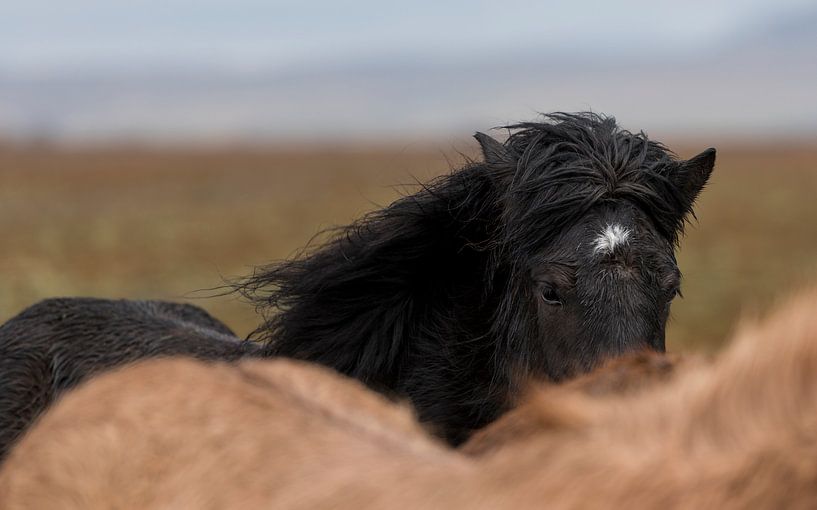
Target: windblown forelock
[[570, 163]]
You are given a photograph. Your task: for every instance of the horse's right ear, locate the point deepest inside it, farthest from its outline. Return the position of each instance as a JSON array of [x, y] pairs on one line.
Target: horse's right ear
[[492, 151]]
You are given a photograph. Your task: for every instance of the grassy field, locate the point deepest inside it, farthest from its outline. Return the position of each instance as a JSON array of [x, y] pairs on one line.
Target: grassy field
[[121, 222]]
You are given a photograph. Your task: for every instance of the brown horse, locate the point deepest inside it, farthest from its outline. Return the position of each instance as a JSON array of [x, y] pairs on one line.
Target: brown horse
[[737, 433]]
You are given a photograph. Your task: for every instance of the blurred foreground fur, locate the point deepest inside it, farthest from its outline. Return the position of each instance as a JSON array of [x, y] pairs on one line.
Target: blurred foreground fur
[[738, 433], [626, 375]]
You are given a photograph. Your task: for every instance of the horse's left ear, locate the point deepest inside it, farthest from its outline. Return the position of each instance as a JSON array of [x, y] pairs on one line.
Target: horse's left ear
[[492, 151], [693, 175]]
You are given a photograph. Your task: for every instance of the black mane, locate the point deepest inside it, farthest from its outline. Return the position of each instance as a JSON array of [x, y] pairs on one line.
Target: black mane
[[572, 162], [419, 298]]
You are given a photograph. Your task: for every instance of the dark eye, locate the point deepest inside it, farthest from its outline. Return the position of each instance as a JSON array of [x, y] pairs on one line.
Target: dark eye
[[672, 285], [550, 296], [675, 292]]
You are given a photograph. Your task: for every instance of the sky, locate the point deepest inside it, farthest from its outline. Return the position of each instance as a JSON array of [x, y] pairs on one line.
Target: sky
[[192, 69], [36, 35]]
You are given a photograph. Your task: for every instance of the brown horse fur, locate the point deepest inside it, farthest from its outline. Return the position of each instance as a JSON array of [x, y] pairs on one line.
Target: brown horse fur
[[625, 375], [738, 433]]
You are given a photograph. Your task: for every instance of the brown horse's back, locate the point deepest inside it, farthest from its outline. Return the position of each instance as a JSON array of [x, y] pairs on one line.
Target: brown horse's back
[[738, 433]]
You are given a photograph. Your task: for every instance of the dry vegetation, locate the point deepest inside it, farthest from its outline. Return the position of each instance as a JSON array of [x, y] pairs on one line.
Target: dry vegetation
[[163, 223]]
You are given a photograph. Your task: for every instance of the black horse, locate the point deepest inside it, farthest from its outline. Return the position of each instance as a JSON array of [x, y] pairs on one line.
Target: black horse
[[553, 253], [57, 343]]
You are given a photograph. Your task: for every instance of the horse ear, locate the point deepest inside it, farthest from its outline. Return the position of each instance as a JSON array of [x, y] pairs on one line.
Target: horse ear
[[492, 150], [693, 175]]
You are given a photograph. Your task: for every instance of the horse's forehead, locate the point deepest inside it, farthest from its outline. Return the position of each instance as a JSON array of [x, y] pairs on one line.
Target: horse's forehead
[[615, 229], [616, 233], [613, 236]]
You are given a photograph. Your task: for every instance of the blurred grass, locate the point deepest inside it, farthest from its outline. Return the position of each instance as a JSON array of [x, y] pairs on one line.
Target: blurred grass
[[122, 222]]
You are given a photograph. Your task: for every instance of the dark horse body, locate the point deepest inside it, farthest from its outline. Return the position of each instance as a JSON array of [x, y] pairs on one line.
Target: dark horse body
[[57, 343], [551, 255]]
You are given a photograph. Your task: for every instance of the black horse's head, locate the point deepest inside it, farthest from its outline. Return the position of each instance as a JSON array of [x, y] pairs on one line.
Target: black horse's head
[[552, 254], [590, 217]]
